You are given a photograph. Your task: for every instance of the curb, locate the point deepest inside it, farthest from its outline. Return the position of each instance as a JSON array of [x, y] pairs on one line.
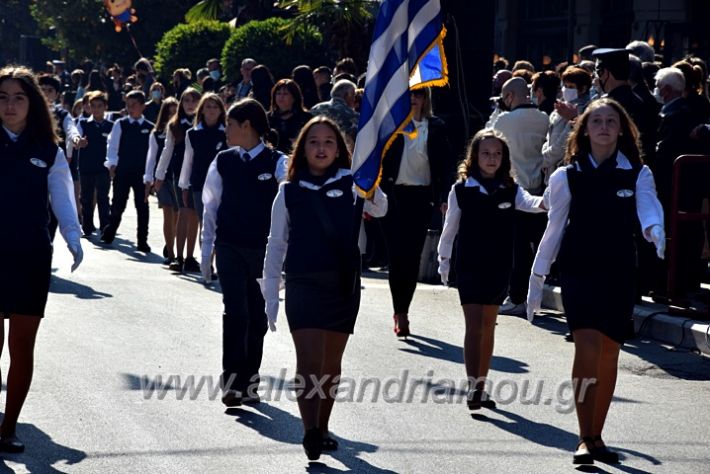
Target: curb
[[653, 320]]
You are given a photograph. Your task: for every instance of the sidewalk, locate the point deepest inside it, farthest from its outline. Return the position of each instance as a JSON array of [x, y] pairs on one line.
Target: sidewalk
[[653, 320]]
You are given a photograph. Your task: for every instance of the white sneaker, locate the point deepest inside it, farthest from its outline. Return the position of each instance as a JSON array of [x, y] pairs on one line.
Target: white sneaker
[[512, 309]]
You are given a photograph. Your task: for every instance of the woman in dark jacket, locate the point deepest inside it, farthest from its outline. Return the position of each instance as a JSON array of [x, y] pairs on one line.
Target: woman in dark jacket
[[413, 175], [287, 115]]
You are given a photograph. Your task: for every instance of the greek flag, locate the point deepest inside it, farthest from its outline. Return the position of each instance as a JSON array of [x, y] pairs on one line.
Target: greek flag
[[406, 53]]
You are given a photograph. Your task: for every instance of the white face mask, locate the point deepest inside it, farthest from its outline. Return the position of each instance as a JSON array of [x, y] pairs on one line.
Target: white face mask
[[657, 95], [568, 94]]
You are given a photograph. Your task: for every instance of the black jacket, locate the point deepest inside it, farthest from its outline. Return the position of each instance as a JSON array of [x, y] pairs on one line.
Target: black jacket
[[438, 152], [673, 140]]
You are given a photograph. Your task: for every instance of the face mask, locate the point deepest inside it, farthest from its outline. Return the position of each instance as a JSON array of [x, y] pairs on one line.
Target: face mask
[[568, 94], [657, 95], [156, 95], [215, 75], [533, 100]]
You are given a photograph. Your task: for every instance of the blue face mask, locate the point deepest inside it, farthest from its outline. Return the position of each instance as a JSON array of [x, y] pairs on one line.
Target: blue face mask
[[156, 95], [215, 75]]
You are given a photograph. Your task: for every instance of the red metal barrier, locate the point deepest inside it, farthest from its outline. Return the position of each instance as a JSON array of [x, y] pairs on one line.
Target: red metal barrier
[[676, 217]]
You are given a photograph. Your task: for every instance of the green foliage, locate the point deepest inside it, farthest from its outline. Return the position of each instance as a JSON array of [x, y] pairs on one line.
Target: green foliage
[[204, 10], [346, 25], [264, 41], [84, 29], [190, 45]]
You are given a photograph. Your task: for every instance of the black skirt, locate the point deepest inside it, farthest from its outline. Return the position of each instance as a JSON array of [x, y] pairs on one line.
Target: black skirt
[[602, 302], [24, 279], [482, 288], [321, 301]]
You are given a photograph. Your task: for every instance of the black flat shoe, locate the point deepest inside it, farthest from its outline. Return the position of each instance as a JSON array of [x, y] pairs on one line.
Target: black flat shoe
[[583, 455], [478, 399], [603, 453], [11, 444], [329, 444], [313, 443], [232, 398]]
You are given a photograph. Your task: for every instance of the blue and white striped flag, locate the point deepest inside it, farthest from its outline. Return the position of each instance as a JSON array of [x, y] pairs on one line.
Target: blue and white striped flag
[[406, 52]]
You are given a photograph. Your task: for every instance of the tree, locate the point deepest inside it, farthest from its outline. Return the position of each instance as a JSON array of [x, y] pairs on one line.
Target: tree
[[15, 20], [346, 25], [84, 29], [243, 11], [190, 45]]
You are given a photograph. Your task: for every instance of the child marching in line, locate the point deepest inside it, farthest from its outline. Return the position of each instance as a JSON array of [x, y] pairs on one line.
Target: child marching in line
[[481, 210], [168, 173], [312, 231], [167, 200]]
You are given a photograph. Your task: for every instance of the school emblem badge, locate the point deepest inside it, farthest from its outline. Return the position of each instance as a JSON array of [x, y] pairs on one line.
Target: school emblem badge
[[264, 177], [505, 205], [334, 193], [38, 163], [624, 193], [144, 131]]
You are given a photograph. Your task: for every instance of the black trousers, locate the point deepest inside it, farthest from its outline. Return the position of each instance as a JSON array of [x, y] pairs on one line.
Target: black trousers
[[406, 223], [122, 185], [244, 322], [100, 183], [528, 233]]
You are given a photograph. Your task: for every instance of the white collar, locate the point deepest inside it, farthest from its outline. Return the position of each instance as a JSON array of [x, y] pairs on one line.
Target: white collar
[[91, 119], [472, 182], [314, 187], [139, 120], [185, 121], [254, 152], [201, 126], [13, 136], [622, 162]]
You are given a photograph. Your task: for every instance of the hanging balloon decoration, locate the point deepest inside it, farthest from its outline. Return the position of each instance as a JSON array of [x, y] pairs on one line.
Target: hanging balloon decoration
[[121, 13]]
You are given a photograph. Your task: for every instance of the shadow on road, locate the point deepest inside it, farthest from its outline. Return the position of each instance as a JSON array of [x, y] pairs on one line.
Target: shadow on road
[[128, 248], [69, 287], [552, 436], [41, 454], [679, 363], [282, 426]]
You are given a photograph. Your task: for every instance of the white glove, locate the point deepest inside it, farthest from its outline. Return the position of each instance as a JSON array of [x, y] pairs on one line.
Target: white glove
[[658, 237], [272, 311], [206, 270], [535, 295], [444, 267], [77, 253]]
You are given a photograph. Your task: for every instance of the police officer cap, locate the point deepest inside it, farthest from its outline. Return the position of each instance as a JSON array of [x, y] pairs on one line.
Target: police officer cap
[[585, 52], [610, 57], [58, 62]]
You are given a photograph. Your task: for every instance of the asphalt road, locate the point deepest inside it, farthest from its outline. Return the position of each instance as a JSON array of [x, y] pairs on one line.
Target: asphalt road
[[123, 335]]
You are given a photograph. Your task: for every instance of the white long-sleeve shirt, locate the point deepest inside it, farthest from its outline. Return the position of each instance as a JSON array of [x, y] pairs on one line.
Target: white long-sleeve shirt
[[524, 201], [212, 196], [186, 170], [558, 199], [151, 159], [277, 244], [114, 141]]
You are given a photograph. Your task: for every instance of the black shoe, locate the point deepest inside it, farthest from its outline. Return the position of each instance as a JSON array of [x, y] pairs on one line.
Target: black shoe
[[313, 443], [251, 400], [107, 235], [11, 444], [583, 455], [87, 232], [232, 398], [191, 265], [329, 444], [603, 453], [478, 399], [165, 251], [177, 264], [168, 261], [143, 247]]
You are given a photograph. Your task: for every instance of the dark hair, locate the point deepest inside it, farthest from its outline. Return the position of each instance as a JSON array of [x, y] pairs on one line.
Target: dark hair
[[524, 73], [41, 126], [578, 144], [298, 159], [199, 116], [50, 80], [262, 82], [347, 65], [548, 81], [95, 82], [303, 76], [164, 115], [578, 76], [252, 110], [136, 95], [97, 95], [176, 130], [693, 76], [293, 89], [470, 162]]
